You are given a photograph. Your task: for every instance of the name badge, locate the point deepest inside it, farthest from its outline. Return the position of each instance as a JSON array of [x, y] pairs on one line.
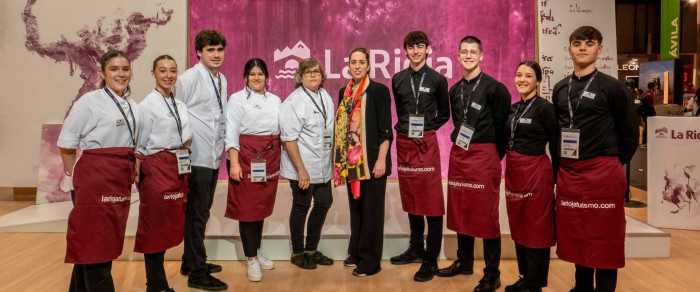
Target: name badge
[[570, 139], [525, 121], [183, 161], [589, 94], [466, 132], [258, 170], [327, 140], [222, 129], [121, 122], [476, 106], [637, 101], [416, 125], [424, 89]]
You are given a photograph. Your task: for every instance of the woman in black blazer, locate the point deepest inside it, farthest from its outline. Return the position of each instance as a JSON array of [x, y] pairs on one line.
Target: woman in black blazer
[[361, 161]]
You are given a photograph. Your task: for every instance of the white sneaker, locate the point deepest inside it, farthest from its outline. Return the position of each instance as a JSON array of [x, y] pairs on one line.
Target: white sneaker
[[254, 273], [265, 262]]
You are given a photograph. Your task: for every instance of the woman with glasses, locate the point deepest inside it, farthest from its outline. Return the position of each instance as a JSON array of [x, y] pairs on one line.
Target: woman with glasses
[[306, 124]]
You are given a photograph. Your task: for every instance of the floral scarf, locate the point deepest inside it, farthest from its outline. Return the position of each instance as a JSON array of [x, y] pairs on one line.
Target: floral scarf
[[349, 152]]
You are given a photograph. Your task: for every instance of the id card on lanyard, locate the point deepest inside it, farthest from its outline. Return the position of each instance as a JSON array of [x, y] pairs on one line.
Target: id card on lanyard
[[183, 161], [258, 170], [571, 138], [466, 132]]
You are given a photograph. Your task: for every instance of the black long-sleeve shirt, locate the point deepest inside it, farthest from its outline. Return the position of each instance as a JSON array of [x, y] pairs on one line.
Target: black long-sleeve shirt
[[377, 122], [534, 128], [488, 110], [435, 104], [608, 121]]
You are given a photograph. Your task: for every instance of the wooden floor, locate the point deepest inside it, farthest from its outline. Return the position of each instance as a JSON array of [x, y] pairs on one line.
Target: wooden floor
[[34, 262]]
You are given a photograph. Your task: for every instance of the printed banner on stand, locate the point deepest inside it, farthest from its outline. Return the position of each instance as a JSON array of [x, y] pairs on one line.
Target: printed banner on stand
[[673, 176]]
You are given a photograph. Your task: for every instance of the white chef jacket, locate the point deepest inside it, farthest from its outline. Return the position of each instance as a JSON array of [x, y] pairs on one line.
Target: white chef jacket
[[207, 120], [302, 121], [95, 122], [158, 128], [251, 113]]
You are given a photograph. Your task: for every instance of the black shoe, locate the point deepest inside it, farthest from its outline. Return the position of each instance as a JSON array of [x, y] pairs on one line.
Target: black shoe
[[357, 273], [320, 259], [459, 267], [427, 271], [207, 283], [409, 256], [515, 287], [303, 260], [351, 261], [213, 268], [488, 284]]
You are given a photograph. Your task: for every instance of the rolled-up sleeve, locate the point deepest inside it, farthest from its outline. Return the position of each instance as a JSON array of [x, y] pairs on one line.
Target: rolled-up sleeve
[[145, 126], [75, 126], [234, 113], [383, 112], [291, 120]]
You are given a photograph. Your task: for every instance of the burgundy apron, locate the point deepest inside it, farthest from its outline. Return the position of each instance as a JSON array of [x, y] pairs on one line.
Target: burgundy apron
[[163, 195], [530, 199], [254, 201], [473, 186], [102, 180], [420, 179], [590, 214]]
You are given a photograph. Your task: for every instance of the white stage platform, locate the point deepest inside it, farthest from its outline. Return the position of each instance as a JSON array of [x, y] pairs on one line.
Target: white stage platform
[[223, 241]]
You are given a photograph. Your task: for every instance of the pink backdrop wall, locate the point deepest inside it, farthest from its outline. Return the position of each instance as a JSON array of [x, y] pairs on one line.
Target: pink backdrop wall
[[328, 30]]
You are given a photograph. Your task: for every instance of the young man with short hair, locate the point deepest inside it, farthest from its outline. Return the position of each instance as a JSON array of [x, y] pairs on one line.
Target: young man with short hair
[[422, 107], [480, 107], [203, 89], [599, 133]]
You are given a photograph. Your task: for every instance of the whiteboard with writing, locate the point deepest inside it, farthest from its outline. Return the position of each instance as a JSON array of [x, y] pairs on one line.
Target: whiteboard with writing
[[556, 20]]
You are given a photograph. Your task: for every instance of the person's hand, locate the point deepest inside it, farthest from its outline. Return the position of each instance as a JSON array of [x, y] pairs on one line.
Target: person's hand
[[304, 180], [236, 172], [379, 168]]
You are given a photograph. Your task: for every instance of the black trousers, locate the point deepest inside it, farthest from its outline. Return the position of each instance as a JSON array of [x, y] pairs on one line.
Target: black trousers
[[605, 279], [202, 185], [251, 236], [492, 253], [301, 203], [533, 265], [367, 224], [92, 278], [433, 242], [156, 280]]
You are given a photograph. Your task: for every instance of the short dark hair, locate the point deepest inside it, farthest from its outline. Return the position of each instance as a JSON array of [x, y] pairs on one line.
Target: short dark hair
[[534, 66], [208, 37], [306, 64], [415, 38], [651, 85], [470, 40], [162, 57], [586, 33]]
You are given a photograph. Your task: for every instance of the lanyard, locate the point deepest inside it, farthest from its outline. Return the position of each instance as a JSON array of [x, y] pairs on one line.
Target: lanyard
[[513, 123], [175, 115], [218, 92], [465, 106], [416, 94], [323, 112], [568, 98], [128, 125], [351, 107]]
